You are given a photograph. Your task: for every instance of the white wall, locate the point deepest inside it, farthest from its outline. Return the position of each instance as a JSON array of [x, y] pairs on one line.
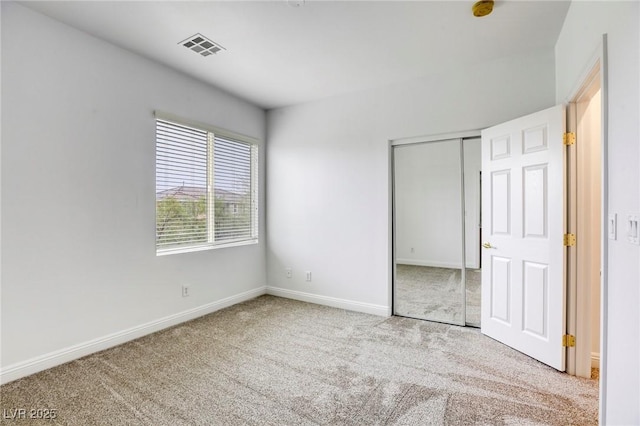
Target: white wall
[[581, 34], [428, 199], [78, 195], [329, 173]]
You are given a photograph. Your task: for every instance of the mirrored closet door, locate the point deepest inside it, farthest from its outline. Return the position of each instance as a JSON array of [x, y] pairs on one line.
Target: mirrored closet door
[[472, 162], [436, 196]]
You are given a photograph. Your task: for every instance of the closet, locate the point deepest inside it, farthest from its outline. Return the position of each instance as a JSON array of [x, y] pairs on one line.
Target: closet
[[437, 230]]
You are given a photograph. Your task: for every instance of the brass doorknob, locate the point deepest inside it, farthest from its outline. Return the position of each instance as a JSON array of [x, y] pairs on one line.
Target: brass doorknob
[[487, 245]]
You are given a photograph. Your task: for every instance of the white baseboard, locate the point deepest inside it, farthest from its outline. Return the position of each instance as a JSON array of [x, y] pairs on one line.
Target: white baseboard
[[334, 302], [595, 360], [52, 359]]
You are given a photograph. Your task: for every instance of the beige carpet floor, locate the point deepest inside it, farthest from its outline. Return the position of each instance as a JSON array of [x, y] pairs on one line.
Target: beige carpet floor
[[273, 361], [435, 294]]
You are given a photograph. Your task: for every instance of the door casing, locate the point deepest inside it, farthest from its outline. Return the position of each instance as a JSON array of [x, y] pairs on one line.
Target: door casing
[[578, 315]]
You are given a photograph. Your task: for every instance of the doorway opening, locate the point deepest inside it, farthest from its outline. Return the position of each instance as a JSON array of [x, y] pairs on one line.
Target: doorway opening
[[585, 219]]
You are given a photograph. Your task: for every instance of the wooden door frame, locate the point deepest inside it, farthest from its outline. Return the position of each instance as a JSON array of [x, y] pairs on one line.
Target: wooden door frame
[[578, 314], [584, 318]]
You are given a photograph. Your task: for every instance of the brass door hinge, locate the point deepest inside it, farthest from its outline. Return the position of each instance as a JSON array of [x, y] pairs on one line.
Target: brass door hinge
[[569, 240], [568, 340], [569, 138]]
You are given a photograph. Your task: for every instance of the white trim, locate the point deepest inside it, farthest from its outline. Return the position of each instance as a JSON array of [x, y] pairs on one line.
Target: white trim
[[600, 57], [437, 138], [207, 246], [595, 360], [604, 291], [592, 67], [391, 231], [351, 305], [583, 227], [52, 359]]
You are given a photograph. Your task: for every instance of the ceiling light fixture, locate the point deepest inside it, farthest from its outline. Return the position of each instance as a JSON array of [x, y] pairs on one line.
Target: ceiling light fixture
[[482, 8], [202, 45]]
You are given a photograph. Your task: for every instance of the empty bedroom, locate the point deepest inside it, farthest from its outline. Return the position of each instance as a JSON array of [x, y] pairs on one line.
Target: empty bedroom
[[297, 212]]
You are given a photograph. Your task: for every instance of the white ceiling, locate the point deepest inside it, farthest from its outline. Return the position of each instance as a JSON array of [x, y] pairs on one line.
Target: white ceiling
[[278, 55]]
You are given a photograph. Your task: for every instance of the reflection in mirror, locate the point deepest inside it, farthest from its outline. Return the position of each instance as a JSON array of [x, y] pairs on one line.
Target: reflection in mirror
[[429, 279], [472, 227]]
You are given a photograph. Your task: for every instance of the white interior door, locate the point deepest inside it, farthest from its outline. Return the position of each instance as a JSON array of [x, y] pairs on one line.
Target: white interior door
[[523, 286]]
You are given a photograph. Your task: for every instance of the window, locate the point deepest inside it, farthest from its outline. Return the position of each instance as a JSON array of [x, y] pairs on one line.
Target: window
[[206, 187]]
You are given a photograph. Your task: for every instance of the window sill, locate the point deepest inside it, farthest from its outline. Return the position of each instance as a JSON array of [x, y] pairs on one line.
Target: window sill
[[203, 247]]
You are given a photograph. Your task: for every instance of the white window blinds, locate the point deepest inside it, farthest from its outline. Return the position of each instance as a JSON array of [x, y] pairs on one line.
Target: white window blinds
[[206, 189], [233, 190]]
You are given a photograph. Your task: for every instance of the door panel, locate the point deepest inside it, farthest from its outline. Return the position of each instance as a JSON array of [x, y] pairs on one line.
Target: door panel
[[535, 304], [500, 147], [500, 202], [535, 206], [500, 285], [523, 287]]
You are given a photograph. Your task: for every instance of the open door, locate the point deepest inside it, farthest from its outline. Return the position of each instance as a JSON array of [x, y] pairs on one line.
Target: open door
[[523, 279]]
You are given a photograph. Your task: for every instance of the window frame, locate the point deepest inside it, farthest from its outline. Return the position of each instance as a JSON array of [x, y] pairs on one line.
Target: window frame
[[213, 132]]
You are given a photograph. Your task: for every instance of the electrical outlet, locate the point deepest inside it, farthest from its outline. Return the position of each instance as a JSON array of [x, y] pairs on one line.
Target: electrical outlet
[[308, 275], [289, 272], [185, 291]]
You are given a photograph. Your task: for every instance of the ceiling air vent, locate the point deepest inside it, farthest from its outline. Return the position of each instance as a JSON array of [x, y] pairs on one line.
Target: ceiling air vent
[[202, 45]]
